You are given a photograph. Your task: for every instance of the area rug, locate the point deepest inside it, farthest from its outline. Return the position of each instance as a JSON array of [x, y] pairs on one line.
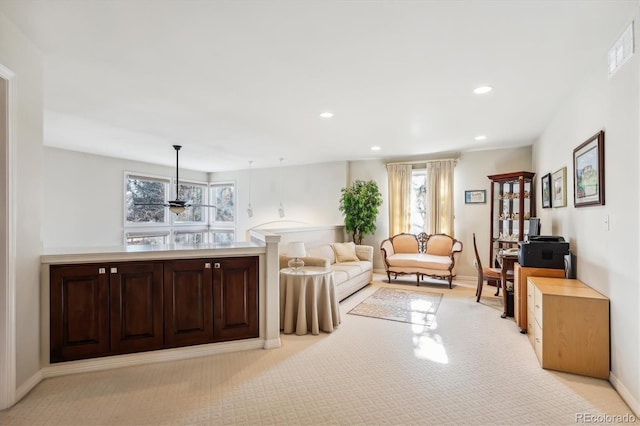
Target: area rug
[[400, 305]]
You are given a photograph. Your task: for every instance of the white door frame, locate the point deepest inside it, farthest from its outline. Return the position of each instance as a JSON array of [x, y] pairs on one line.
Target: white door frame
[[8, 248]]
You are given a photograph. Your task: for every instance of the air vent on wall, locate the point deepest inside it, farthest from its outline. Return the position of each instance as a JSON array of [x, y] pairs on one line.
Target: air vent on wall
[[621, 51]]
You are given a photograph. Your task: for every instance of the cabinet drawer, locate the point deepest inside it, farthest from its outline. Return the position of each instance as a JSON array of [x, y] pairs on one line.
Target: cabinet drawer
[[537, 306], [530, 296], [537, 342], [531, 324]]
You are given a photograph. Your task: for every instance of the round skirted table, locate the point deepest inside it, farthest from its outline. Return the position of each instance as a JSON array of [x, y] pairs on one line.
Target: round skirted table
[[308, 301]]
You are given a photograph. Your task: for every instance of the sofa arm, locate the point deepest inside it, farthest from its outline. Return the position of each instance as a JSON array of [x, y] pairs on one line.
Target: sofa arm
[[322, 262], [364, 253], [456, 247]]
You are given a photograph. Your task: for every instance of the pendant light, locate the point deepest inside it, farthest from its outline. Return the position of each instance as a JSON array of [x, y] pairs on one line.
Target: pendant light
[[249, 208], [281, 208]]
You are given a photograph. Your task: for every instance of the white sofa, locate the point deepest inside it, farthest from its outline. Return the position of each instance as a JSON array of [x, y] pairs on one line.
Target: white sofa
[[350, 276]]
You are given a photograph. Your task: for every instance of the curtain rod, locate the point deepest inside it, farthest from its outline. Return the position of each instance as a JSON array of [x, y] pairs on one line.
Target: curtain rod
[[421, 161]]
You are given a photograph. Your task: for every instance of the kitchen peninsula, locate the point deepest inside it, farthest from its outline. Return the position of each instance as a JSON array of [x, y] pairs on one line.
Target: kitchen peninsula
[[130, 305]]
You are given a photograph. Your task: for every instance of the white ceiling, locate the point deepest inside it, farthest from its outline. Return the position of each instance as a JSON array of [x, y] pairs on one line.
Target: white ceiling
[[235, 81]]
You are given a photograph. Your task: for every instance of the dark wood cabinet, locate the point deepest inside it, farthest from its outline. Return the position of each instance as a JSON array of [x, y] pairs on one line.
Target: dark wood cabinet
[[79, 303], [109, 309], [236, 298], [188, 308], [136, 306], [512, 207]]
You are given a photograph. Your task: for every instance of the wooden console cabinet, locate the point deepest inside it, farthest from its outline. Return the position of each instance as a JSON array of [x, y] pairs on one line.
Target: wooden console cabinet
[[569, 326], [106, 309], [521, 273]]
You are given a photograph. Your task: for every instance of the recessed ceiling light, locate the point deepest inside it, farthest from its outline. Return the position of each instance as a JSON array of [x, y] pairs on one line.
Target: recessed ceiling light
[[482, 90], [375, 148], [326, 114], [480, 137]]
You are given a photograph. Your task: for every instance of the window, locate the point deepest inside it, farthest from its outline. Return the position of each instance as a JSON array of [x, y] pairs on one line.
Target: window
[[223, 196], [190, 237], [223, 236], [194, 193], [148, 221], [148, 238], [418, 201], [144, 199]]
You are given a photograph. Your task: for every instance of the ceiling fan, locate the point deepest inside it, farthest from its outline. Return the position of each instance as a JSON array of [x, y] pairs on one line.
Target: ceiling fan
[[177, 206]]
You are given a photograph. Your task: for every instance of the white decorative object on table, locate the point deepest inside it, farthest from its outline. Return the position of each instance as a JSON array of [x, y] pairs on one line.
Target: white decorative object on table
[[296, 250]]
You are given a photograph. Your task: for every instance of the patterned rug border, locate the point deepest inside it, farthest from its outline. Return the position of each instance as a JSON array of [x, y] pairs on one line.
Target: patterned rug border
[[426, 293]]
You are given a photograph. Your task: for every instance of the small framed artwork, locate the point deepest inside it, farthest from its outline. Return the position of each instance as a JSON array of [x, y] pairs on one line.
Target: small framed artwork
[[588, 172], [559, 188], [476, 196], [545, 183]]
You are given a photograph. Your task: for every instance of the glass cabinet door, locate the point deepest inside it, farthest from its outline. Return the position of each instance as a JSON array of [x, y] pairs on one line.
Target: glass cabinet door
[[513, 204]]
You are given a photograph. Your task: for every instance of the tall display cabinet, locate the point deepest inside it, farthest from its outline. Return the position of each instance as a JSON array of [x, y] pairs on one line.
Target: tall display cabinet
[[512, 205]]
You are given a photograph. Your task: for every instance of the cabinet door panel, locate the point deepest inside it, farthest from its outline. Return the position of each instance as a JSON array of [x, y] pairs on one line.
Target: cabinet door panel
[[188, 302], [79, 301], [236, 301], [136, 307]]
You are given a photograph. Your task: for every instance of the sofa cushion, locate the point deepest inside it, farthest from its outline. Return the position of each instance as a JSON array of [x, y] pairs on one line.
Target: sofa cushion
[[345, 252], [427, 261], [324, 250], [439, 245]]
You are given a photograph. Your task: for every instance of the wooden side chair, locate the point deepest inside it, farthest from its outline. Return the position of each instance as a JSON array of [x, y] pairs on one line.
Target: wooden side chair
[[485, 274]]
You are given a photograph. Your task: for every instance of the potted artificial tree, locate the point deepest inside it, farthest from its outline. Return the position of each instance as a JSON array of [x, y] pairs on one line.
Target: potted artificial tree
[[359, 204]]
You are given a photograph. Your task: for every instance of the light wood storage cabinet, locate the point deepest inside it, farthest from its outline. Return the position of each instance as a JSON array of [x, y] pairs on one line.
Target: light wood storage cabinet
[[568, 326], [521, 273]]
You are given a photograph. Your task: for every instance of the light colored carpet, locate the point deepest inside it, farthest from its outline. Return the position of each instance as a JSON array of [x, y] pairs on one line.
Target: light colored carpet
[[413, 307], [469, 367]]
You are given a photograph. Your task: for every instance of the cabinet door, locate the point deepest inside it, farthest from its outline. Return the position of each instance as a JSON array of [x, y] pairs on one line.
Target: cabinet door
[[188, 302], [236, 298], [79, 318], [136, 306]]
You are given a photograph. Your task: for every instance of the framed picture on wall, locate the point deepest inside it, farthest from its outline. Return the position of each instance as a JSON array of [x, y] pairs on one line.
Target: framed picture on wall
[[475, 196], [588, 172], [545, 184], [559, 188]]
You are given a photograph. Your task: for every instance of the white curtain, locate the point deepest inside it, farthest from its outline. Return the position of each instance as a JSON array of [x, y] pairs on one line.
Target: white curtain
[[440, 193], [399, 198]]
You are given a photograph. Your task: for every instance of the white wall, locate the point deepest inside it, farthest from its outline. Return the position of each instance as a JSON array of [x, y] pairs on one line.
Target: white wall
[[607, 260], [471, 173], [19, 55], [310, 194], [84, 196]]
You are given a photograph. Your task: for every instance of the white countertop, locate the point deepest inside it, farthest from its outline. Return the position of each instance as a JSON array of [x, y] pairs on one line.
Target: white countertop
[[149, 252]]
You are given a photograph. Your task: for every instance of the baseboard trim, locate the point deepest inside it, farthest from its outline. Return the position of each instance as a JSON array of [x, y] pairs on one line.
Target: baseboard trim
[[625, 394], [272, 343], [27, 386], [142, 358]]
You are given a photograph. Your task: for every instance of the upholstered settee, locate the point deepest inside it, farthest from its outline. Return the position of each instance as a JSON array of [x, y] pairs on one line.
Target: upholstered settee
[[352, 265], [423, 255]]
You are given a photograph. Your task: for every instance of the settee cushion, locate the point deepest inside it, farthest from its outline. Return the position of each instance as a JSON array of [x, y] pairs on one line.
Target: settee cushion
[[345, 252], [405, 243], [420, 260], [439, 245]]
